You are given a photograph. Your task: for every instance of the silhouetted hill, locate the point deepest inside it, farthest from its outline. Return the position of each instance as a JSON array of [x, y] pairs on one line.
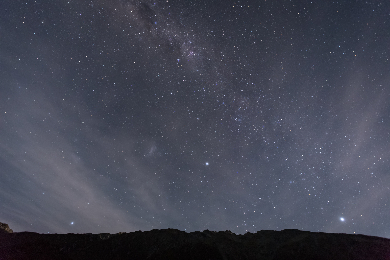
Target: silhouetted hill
[[175, 244]]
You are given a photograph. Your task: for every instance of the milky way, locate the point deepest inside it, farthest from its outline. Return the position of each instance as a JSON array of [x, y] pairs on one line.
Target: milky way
[[125, 115]]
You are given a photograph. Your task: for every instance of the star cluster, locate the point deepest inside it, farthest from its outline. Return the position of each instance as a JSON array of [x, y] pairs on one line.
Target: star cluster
[[222, 115]]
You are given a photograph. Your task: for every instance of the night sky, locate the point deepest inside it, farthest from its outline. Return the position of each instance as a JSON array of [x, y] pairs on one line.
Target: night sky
[[119, 116]]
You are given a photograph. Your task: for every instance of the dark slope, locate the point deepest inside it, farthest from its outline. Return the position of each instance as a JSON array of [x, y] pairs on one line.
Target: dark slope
[[175, 244]]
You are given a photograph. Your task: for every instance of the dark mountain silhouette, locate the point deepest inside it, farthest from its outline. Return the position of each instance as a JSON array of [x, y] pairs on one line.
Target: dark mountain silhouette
[[175, 244]]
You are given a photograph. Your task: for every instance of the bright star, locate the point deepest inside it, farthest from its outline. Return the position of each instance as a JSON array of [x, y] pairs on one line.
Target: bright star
[[342, 219], [207, 163], [72, 223]]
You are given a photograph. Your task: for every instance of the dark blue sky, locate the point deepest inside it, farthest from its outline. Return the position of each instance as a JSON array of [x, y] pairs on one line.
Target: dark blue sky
[[118, 116]]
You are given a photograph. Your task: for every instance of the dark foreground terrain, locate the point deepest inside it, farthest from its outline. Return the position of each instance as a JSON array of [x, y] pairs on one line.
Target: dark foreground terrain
[[175, 244]]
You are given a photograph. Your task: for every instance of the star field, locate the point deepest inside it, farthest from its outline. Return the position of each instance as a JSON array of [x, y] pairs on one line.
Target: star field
[[127, 115]]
